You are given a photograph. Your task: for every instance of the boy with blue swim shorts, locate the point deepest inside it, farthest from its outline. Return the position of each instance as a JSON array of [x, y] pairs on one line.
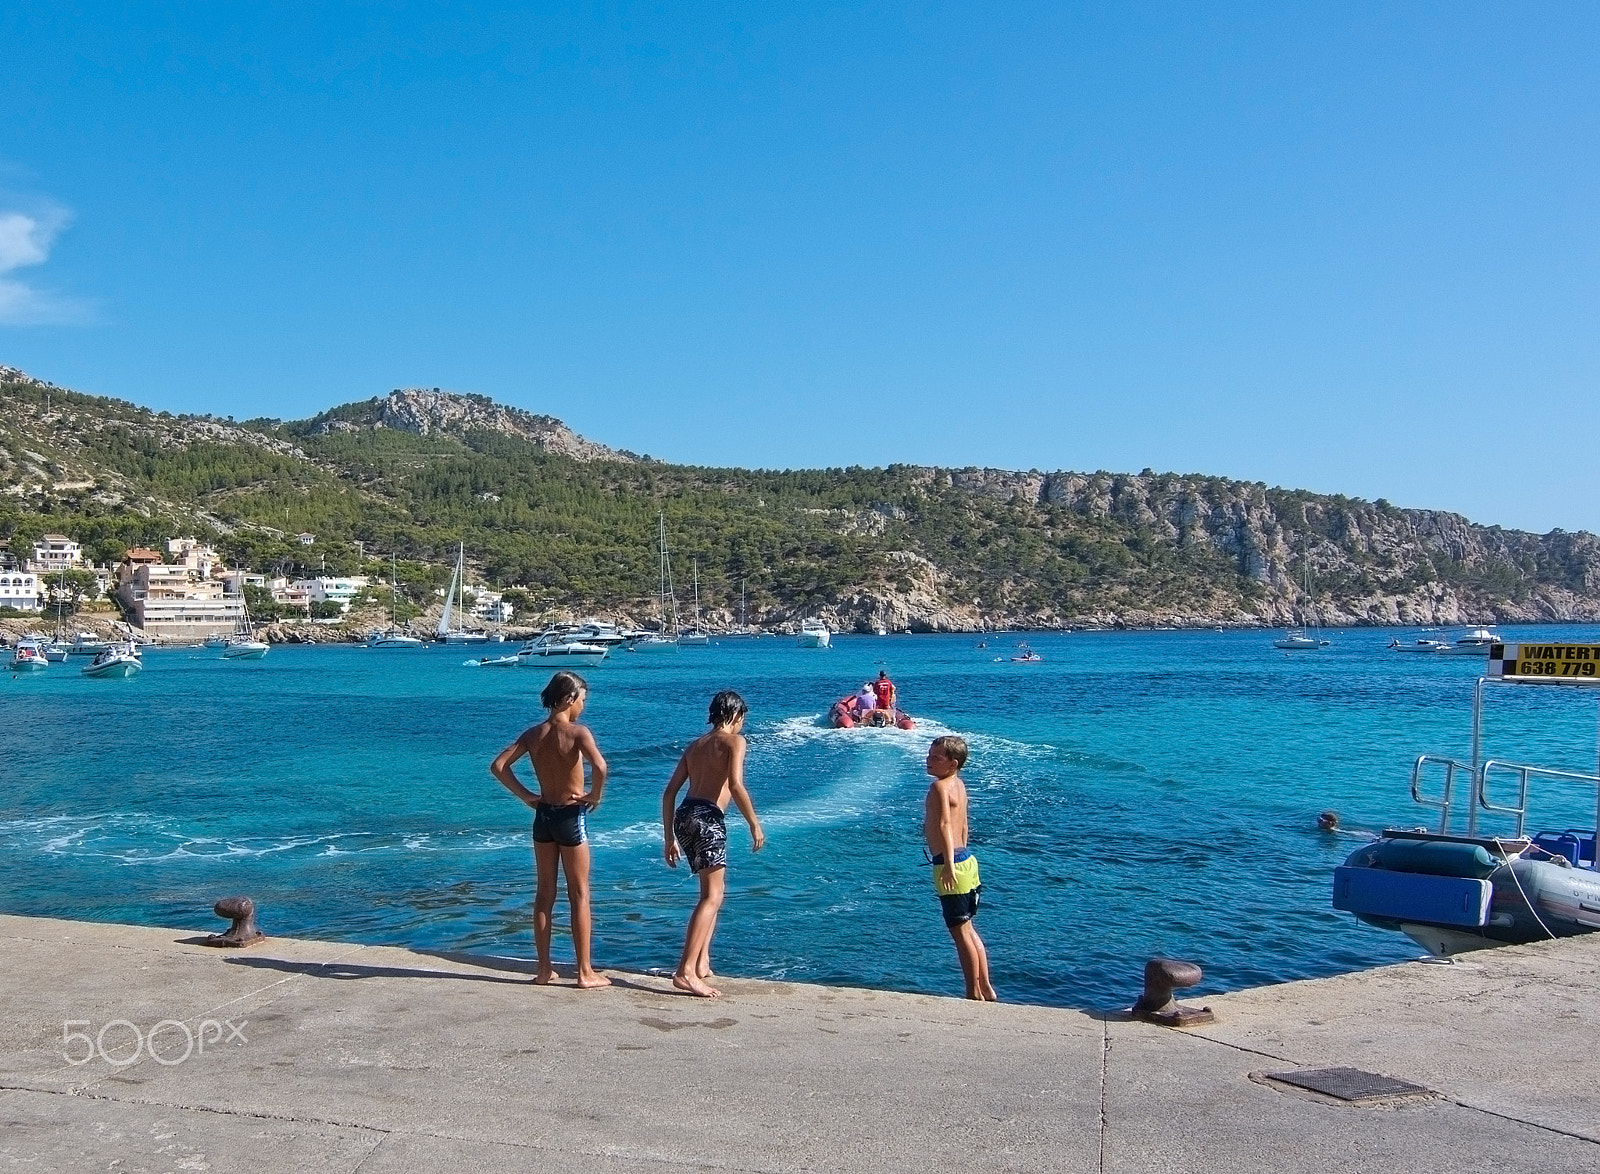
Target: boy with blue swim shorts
[[955, 868], [558, 748]]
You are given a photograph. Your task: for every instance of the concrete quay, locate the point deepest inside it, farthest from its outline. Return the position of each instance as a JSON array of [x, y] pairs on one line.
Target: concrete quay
[[318, 1056]]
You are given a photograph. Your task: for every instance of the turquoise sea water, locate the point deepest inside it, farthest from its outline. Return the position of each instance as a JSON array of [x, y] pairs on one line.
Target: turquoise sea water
[[1134, 794]]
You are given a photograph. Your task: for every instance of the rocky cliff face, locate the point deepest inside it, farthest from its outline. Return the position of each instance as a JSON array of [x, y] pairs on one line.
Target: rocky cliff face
[[426, 411]]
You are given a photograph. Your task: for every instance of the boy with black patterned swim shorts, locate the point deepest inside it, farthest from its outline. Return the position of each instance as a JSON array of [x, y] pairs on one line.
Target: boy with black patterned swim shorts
[[558, 747], [955, 868], [713, 766]]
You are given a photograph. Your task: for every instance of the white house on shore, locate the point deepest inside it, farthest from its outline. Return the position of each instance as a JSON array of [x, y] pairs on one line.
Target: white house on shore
[[333, 590], [19, 590], [54, 553]]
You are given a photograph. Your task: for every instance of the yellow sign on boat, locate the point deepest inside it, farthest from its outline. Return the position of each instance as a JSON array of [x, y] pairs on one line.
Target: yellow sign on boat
[[1550, 662]]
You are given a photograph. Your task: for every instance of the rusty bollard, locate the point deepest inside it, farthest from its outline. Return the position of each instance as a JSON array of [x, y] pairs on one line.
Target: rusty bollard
[[1162, 976], [244, 931]]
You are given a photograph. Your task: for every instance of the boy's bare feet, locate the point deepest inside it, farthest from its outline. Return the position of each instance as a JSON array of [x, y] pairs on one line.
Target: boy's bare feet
[[692, 984], [592, 980], [545, 977], [989, 995]]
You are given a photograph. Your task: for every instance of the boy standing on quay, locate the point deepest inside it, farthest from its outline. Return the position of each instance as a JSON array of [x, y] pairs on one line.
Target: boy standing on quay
[[955, 868], [557, 747], [713, 766]]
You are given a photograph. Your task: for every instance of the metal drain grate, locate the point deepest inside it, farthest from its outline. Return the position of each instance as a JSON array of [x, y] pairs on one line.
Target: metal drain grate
[[1350, 1084]]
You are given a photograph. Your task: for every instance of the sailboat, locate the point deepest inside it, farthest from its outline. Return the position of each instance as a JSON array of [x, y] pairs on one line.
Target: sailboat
[[450, 629], [665, 640], [1299, 639], [56, 648], [695, 636], [393, 636], [243, 645]]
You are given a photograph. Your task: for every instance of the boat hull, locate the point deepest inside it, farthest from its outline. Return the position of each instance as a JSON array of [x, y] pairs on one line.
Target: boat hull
[[1453, 894], [254, 650], [556, 658], [30, 664], [843, 717], [653, 644], [113, 669]]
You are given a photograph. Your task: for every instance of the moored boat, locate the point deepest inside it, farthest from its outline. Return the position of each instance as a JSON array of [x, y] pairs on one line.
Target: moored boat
[[1420, 644], [549, 651], [1458, 889], [28, 657], [1477, 642], [814, 634], [118, 660]]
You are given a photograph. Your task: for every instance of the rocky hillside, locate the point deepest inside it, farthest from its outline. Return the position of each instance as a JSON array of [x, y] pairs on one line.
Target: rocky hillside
[[400, 480], [425, 412]]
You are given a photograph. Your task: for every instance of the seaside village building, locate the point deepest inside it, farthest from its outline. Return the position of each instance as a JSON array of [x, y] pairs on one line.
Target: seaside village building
[[55, 553], [178, 600], [19, 590], [327, 590]]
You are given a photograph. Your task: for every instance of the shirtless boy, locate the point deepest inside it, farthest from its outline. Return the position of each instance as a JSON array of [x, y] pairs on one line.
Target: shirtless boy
[[557, 747], [944, 826], [713, 766]]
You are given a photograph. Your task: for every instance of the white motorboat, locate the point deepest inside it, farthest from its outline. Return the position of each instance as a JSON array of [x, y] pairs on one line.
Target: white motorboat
[[595, 632], [118, 660], [814, 634], [216, 642], [55, 651], [28, 656], [84, 644], [1475, 643], [549, 651], [450, 629], [1420, 644]]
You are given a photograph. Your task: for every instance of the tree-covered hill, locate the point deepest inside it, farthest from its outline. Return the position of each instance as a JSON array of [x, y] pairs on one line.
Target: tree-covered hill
[[574, 523]]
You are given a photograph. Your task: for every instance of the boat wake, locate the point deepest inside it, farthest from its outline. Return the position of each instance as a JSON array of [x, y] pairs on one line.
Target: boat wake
[[132, 838]]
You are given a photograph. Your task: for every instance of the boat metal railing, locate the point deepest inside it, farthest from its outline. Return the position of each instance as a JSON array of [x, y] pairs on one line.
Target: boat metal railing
[[1524, 771], [1443, 803]]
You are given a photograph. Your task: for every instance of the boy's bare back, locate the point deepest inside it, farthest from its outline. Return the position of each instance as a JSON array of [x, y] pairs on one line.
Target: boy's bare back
[[714, 762], [557, 750]]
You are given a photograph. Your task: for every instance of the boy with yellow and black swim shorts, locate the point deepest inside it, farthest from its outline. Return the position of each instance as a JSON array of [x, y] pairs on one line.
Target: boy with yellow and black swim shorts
[[955, 868]]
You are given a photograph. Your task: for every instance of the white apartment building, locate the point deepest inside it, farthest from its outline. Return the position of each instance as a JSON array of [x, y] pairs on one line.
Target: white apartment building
[[19, 589], [54, 552], [287, 593], [339, 590], [490, 606], [170, 599], [197, 556]]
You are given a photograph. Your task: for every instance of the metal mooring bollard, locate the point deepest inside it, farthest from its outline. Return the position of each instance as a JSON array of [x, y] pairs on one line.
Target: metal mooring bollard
[[243, 931], [1161, 977]]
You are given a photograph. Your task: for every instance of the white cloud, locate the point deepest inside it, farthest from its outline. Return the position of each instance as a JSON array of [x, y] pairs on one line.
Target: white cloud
[[26, 238]]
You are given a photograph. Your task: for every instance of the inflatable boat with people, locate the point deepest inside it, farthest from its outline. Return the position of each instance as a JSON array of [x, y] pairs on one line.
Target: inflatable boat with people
[[873, 705]]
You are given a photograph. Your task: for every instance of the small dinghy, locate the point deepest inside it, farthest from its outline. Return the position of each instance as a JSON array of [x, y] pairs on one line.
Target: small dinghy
[[118, 660]]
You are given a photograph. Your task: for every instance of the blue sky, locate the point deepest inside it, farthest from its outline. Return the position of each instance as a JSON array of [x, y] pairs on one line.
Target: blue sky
[[1344, 247]]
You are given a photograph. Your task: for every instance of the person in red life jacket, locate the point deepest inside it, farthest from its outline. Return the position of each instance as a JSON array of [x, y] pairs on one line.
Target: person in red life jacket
[[884, 688]]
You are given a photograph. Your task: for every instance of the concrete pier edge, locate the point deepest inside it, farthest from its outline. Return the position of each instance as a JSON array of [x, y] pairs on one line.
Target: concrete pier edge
[[343, 1057]]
